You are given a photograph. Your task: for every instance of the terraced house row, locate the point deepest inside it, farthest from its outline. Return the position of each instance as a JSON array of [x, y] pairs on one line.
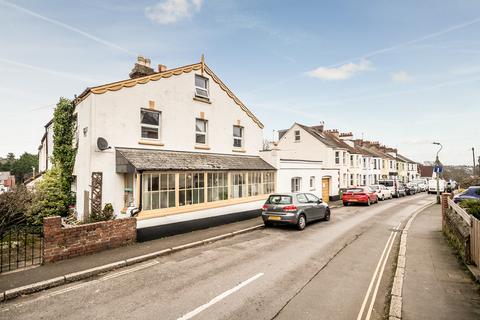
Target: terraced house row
[[171, 141]]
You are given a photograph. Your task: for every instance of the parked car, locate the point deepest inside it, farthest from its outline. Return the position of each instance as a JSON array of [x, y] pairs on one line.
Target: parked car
[[394, 186], [365, 195], [295, 209], [410, 188], [432, 185], [471, 193], [382, 192]]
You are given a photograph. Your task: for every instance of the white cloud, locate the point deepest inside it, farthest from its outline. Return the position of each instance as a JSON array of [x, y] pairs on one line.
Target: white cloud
[[345, 71], [401, 76], [171, 11]]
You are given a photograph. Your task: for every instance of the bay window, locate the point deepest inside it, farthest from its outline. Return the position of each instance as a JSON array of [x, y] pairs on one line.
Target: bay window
[[217, 186]]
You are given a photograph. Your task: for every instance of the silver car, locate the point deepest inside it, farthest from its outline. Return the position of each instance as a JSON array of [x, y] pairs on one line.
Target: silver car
[[294, 208]]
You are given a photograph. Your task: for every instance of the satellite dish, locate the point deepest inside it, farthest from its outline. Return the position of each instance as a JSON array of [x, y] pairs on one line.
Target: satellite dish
[[102, 144]]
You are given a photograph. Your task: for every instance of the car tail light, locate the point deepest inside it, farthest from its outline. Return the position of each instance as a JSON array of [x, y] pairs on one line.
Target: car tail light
[[290, 208], [265, 207]]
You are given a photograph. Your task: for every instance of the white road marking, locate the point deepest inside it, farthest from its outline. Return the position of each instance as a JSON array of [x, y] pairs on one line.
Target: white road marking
[[372, 281], [83, 284], [369, 313], [218, 298]]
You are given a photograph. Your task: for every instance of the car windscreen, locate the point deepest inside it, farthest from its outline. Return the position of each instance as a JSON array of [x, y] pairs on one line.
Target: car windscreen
[[386, 183], [375, 187], [279, 199], [355, 190]]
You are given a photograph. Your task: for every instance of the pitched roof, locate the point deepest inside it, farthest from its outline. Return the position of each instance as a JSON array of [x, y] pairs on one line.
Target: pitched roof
[[319, 135], [158, 160], [404, 159], [115, 86]]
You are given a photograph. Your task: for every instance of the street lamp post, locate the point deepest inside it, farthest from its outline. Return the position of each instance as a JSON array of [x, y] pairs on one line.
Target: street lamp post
[[437, 174]]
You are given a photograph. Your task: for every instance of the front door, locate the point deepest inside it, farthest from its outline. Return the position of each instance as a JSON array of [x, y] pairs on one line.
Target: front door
[[326, 189]]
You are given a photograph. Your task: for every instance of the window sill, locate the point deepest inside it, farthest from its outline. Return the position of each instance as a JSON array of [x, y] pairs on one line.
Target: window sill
[[239, 150], [202, 147], [151, 143], [200, 99]]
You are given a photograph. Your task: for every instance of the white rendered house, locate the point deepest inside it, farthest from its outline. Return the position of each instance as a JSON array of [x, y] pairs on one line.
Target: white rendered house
[[304, 158], [167, 142]]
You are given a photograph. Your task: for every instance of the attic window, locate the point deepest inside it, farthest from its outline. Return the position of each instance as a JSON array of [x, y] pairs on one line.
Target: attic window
[[201, 87], [297, 135]]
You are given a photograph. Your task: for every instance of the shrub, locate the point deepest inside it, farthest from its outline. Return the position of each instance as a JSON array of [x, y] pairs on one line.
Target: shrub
[[105, 215], [14, 207], [50, 198], [472, 207]]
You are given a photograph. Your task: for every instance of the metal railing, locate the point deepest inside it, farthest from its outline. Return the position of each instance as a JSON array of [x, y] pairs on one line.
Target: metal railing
[[20, 247]]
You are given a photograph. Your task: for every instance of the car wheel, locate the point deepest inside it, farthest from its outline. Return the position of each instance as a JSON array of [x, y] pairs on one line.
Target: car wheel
[[368, 202], [302, 222], [327, 215]]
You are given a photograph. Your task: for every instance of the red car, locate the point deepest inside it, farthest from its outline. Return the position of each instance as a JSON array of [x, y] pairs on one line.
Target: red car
[[364, 195]]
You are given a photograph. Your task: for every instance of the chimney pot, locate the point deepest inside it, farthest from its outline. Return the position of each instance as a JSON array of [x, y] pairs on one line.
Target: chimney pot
[[162, 68]]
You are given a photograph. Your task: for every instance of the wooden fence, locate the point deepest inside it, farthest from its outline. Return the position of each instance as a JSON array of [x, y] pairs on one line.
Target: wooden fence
[[474, 224], [475, 241]]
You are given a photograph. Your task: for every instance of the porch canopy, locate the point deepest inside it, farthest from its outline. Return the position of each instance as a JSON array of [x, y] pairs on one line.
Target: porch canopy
[[129, 160]]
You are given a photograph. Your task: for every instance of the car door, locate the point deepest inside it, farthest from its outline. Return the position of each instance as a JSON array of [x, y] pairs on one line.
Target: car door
[[305, 206], [317, 208]]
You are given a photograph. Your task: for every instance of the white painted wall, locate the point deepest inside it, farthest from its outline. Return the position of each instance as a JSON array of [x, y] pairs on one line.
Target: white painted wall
[[115, 116], [42, 153]]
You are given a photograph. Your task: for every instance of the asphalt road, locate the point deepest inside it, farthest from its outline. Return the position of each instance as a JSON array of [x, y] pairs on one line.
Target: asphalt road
[[326, 271]]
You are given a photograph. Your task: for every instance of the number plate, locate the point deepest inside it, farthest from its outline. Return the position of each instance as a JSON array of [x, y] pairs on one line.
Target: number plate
[[274, 218]]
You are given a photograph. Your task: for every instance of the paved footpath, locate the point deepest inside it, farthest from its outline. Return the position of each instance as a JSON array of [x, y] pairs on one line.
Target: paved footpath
[[436, 284]]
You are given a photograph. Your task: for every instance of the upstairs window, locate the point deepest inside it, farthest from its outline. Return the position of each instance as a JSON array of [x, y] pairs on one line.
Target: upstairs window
[[201, 131], [337, 157], [201, 87], [150, 122], [297, 135], [237, 137]]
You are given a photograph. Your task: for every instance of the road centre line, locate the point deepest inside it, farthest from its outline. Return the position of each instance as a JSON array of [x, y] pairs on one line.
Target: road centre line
[[84, 284], [372, 281], [220, 297], [380, 275]]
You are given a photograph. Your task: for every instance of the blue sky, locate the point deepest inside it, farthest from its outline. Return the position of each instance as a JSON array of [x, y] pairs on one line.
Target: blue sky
[[405, 73]]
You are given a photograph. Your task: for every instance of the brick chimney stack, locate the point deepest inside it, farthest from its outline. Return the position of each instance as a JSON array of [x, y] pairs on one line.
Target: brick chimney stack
[[141, 68]]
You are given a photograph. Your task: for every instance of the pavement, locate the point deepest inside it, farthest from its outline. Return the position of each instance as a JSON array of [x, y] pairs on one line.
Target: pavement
[[436, 284], [323, 272]]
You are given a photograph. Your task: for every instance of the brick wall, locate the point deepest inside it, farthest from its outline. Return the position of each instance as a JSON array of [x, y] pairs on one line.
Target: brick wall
[[65, 243]]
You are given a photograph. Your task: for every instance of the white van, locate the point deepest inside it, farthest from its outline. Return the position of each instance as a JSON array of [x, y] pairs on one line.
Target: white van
[[432, 185]]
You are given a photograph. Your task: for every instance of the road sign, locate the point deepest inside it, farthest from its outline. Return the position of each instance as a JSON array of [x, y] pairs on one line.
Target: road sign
[[438, 169]]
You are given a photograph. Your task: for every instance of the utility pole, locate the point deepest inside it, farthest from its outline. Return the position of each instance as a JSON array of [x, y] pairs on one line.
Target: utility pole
[[438, 169], [473, 153]]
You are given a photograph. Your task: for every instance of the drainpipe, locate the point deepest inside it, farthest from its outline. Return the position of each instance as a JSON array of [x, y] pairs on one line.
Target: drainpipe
[[46, 148], [140, 192]]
